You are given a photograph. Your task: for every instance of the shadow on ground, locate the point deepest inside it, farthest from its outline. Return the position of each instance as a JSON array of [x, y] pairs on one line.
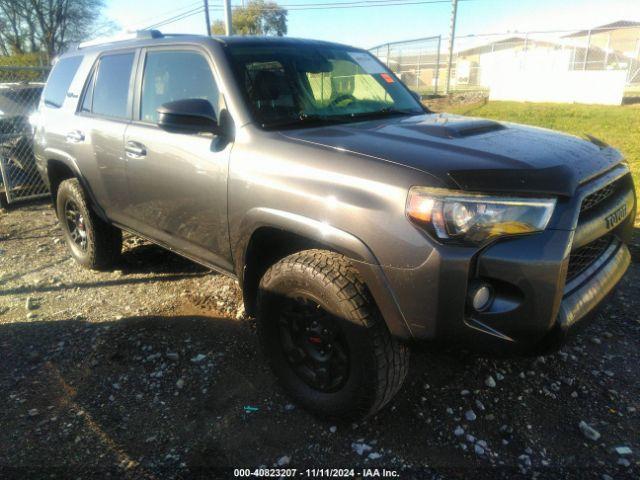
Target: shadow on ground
[[150, 258], [120, 393], [167, 396]]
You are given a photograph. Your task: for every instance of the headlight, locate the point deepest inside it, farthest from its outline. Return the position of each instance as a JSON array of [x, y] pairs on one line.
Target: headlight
[[458, 217]]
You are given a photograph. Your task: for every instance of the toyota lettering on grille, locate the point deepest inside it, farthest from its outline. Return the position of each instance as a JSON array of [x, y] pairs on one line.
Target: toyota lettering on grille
[[616, 217]]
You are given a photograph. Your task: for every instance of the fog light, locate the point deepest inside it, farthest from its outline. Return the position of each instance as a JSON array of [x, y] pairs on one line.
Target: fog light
[[481, 296]]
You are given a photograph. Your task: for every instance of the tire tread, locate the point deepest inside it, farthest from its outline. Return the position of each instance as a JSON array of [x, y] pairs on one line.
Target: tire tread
[[391, 356]]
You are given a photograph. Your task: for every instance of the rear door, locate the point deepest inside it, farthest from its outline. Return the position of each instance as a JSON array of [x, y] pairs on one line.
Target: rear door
[[178, 182], [98, 137]]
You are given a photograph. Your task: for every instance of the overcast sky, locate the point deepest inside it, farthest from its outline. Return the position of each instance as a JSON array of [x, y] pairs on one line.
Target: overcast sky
[[365, 27]]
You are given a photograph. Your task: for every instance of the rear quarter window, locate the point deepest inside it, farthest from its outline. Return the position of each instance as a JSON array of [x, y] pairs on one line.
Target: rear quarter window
[[59, 80], [111, 88]]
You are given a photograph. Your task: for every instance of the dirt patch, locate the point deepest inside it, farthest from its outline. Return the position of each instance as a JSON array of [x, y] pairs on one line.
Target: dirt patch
[[152, 371]]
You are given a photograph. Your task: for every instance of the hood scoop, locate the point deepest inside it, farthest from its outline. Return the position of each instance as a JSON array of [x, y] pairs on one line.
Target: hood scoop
[[559, 180], [458, 129]]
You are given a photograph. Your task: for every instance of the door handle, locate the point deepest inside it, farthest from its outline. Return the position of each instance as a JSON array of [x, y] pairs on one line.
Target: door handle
[[135, 150], [75, 136]]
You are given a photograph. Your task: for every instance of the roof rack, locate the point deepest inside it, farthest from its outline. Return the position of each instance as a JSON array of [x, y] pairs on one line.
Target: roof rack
[[138, 35]]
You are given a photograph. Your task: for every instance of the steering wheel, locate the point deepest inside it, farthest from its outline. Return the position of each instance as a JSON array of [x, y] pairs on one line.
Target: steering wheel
[[342, 98]]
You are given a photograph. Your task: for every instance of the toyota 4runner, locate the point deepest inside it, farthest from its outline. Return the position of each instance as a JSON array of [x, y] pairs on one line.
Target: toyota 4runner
[[354, 219]]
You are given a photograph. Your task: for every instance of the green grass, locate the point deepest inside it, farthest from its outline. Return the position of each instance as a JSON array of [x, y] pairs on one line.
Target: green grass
[[618, 126], [632, 90]]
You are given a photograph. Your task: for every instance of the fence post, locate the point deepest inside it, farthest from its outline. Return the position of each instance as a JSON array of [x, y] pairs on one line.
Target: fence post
[[4, 179], [606, 52], [388, 54], [454, 14], [435, 87], [636, 57], [586, 52], [418, 69]]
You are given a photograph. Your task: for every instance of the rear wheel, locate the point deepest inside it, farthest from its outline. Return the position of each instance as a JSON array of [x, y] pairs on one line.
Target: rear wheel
[[93, 243], [325, 338]]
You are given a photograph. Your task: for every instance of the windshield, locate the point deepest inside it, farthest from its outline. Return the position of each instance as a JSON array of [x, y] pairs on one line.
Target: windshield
[[290, 86]]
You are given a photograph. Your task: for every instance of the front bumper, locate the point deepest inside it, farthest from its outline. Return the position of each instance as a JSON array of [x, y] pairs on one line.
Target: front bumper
[[532, 299]]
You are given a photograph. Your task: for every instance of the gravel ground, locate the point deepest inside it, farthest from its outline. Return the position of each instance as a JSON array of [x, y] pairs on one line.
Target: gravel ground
[[152, 371]]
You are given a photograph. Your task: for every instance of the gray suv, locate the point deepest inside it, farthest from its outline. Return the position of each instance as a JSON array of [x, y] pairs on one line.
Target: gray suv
[[354, 220]]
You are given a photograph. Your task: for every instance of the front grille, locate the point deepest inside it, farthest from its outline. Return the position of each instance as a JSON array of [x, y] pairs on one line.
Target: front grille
[[581, 258], [596, 198]]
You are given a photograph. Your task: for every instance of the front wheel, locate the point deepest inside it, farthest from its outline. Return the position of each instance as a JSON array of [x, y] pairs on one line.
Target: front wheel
[[325, 338]]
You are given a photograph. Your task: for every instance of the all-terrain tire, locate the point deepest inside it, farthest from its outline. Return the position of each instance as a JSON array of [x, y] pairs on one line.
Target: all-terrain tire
[[378, 362], [103, 242]]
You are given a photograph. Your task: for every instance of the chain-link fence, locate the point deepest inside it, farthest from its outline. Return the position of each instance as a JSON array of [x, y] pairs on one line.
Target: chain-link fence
[[20, 90], [483, 62], [416, 62]]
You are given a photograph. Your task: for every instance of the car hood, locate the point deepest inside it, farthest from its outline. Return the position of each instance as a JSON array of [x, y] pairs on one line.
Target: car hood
[[472, 154]]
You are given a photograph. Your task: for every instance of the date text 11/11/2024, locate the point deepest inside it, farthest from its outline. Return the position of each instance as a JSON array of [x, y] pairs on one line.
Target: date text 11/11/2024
[[316, 473]]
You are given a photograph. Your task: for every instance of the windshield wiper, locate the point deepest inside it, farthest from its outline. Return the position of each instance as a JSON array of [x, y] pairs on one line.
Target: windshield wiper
[[303, 119], [383, 112], [313, 119]]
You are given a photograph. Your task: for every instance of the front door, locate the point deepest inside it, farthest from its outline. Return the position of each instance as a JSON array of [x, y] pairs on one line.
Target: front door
[[178, 182]]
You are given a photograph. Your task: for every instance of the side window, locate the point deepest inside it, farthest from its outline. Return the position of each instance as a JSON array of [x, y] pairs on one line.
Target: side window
[[175, 75], [111, 89], [269, 89], [59, 81], [87, 100]]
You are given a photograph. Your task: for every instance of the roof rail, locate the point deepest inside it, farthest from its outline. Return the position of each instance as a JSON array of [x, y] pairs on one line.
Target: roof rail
[[138, 35]]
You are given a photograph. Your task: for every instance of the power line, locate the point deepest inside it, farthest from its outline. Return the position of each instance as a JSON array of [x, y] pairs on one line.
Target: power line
[[190, 13], [356, 4], [171, 12], [287, 5], [308, 6]]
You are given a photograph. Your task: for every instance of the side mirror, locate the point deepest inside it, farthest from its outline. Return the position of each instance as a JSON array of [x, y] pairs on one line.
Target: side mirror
[[191, 115]]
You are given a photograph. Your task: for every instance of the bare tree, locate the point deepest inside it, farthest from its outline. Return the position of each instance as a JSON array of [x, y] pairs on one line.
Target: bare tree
[[47, 25], [12, 31]]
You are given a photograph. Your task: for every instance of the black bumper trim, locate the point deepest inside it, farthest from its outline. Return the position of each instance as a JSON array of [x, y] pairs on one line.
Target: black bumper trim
[[581, 297]]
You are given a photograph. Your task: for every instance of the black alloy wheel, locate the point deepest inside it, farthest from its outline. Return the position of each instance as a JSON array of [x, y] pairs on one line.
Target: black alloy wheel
[[314, 345], [76, 224]]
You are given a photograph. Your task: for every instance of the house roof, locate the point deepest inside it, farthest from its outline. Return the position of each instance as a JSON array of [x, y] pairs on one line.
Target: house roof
[[510, 41], [605, 28]]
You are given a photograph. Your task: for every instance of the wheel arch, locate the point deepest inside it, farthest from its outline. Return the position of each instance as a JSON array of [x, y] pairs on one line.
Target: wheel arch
[[59, 170], [271, 235]]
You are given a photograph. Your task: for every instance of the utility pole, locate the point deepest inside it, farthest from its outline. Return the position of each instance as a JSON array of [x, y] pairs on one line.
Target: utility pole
[[452, 36], [227, 17], [206, 17]]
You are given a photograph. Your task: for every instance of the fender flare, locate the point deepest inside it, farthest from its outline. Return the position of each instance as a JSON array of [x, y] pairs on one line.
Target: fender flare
[[52, 155], [336, 239]]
